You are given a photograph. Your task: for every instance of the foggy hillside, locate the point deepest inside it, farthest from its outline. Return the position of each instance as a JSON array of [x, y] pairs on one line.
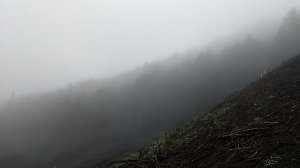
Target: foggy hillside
[[255, 127], [46, 45], [97, 118]]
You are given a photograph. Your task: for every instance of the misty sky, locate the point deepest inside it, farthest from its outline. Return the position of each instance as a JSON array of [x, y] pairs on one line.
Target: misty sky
[[47, 44]]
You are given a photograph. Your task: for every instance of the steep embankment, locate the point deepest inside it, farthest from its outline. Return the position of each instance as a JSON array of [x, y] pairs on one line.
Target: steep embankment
[[255, 127]]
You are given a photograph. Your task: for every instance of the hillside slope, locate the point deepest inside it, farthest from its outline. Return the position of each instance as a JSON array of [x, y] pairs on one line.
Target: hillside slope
[[258, 126], [94, 120]]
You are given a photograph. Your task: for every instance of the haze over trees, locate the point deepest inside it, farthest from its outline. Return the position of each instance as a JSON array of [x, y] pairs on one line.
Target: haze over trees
[[126, 109]]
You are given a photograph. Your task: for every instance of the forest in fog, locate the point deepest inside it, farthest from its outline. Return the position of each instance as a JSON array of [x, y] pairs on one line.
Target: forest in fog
[[133, 107]]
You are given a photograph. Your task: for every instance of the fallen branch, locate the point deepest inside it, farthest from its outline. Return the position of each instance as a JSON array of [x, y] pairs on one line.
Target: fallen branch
[[238, 133], [121, 161], [284, 124]]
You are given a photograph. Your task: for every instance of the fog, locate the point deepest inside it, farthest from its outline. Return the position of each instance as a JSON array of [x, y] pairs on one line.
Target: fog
[[45, 45], [86, 80]]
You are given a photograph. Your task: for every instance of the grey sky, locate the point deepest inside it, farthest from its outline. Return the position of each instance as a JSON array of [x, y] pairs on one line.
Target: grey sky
[[47, 44]]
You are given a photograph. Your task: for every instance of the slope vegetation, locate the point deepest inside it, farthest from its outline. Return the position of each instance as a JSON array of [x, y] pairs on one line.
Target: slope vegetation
[[255, 127]]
